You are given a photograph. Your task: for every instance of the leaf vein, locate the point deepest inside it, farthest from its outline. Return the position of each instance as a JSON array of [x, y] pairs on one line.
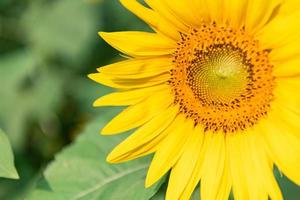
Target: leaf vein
[[109, 180]]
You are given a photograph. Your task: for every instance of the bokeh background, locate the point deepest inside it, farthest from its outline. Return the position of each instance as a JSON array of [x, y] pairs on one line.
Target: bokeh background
[[47, 48]]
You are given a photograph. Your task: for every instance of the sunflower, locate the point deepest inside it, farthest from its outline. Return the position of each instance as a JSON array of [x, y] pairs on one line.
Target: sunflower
[[213, 92]]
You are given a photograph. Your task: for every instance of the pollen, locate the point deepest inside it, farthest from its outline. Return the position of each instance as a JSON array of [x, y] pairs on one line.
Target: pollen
[[222, 78]]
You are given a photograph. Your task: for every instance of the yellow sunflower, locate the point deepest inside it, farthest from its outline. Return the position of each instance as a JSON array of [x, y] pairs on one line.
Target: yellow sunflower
[[213, 92]]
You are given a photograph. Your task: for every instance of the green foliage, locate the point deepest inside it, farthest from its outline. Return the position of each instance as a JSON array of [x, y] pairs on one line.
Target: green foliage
[[25, 94], [61, 28], [160, 195], [47, 48], [81, 172], [7, 168]]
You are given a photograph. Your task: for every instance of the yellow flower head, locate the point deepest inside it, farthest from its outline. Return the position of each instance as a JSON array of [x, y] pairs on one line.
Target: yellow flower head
[[213, 92]]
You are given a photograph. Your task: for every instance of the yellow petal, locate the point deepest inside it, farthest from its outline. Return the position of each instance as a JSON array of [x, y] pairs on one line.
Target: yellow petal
[[251, 171], [169, 150], [288, 117], [140, 113], [289, 6], [286, 53], [226, 182], [236, 12], [128, 97], [259, 13], [283, 144], [152, 18], [138, 68], [236, 164], [287, 68], [139, 44], [280, 31], [262, 166], [213, 167], [286, 93], [122, 83], [216, 10], [197, 172], [198, 6], [183, 169], [164, 11], [288, 112], [145, 139], [185, 12]]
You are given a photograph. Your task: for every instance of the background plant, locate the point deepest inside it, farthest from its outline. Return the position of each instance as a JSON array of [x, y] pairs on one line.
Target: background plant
[[47, 48]]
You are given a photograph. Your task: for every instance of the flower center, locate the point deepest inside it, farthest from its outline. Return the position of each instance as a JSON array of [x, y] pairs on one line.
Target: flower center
[[218, 76], [221, 78]]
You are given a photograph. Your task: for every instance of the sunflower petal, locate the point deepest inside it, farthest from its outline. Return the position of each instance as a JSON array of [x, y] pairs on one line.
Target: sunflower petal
[[169, 151], [197, 172], [288, 68], [239, 183], [235, 12], [128, 97], [225, 184], [287, 94], [128, 83], [280, 31], [152, 18], [131, 117], [138, 143], [289, 6], [185, 12], [216, 10], [246, 153], [253, 180], [183, 169], [138, 68], [283, 145], [213, 167], [163, 10], [289, 116], [286, 53], [261, 163], [139, 44], [259, 13]]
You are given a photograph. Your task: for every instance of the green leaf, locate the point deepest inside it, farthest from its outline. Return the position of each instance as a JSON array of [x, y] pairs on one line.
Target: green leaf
[[7, 168], [61, 28], [30, 92], [160, 195], [43, 191], [81, 172], [289, 189]]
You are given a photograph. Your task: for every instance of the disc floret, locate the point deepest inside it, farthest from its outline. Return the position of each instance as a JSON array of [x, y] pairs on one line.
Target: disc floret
[[221, 78]]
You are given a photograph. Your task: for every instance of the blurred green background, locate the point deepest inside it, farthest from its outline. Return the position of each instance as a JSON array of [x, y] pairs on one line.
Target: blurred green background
[[47, 48]]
